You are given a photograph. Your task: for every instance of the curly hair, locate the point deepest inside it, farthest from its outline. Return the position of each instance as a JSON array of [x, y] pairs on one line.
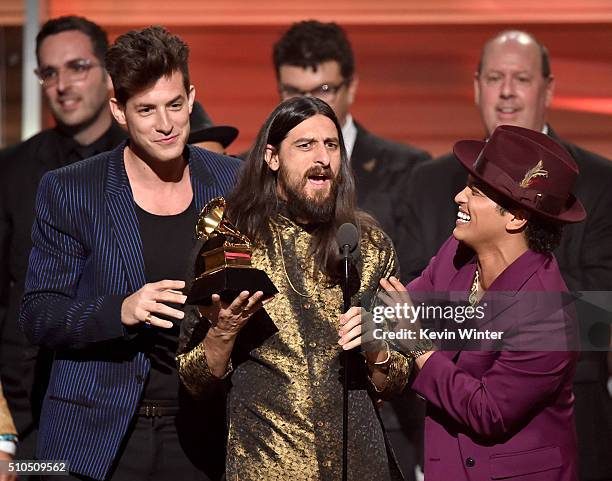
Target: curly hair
[[139, 58], [542, 236], [309, 43]]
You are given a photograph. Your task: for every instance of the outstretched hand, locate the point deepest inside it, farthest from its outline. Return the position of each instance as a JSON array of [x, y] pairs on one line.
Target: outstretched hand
[[228, 319]]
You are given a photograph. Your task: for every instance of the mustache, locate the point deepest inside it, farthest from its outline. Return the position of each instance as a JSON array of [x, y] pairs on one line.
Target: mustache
[[318, 171]]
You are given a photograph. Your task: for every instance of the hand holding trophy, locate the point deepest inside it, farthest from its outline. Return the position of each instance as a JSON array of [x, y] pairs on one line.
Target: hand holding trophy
[[223, 265]]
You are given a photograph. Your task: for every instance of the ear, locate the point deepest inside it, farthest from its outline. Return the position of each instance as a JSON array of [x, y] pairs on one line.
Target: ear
[[517, 221], [476, 89], [352, 88], [550, 90], [118, 111], [271, 158], [191, 97]]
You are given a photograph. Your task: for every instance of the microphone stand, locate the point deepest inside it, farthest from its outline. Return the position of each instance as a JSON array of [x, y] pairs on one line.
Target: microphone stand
[[346, 297]]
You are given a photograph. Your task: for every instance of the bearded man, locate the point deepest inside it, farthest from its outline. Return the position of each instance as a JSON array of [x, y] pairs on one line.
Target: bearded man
[[285, 400]]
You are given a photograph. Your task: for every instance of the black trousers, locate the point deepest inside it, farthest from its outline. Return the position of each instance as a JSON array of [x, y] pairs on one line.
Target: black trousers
[[151, 451]]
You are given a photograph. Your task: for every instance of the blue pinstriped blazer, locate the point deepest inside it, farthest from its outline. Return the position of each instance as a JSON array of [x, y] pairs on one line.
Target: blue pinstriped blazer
[[87, 257]]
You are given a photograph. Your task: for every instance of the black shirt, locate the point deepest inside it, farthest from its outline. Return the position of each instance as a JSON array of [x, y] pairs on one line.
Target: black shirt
[[167, 242]]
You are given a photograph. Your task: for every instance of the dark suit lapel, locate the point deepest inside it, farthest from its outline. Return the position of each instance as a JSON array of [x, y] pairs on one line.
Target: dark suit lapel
[[124, 223], [552, 134], [364, 161], [203, 182]]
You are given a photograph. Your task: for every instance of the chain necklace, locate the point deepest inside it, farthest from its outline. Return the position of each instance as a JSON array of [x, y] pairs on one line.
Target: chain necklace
[[473, 297], [301, 294]]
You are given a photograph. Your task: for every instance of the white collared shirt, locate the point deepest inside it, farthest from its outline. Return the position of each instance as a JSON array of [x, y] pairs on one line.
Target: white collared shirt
[[349, 133]]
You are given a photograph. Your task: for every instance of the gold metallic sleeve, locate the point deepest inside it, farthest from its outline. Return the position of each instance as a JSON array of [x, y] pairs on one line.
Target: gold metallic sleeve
[[397, 377], [195, 374]]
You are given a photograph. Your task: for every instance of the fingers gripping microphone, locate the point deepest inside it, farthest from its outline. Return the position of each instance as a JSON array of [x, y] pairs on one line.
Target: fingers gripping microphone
[[348, 239]]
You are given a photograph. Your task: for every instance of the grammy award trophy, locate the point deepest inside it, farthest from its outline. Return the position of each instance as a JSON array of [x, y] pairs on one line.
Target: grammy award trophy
[[223, 264]]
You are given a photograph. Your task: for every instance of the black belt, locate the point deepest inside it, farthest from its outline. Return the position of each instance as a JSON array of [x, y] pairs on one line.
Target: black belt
[[151, 409]]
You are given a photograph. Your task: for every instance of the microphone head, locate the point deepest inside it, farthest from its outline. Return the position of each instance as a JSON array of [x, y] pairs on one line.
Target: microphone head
[[348, 235]]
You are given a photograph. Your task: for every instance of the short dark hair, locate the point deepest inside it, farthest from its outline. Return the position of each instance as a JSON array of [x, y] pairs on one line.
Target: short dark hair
[[139, 58], [98, 37], [545, 57], [309, 43]]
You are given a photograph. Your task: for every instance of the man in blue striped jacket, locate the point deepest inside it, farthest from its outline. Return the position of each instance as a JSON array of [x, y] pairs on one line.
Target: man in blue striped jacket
[[112, 240]]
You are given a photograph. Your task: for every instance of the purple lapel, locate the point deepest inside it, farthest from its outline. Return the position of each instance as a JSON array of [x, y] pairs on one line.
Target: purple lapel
[[501, 295]]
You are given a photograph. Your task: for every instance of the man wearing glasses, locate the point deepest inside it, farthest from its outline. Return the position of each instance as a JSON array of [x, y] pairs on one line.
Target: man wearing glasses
[[70, 53], [316, 59]]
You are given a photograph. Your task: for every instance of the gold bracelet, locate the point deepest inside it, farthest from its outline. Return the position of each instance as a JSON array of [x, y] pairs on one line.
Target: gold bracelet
[[382, 363]]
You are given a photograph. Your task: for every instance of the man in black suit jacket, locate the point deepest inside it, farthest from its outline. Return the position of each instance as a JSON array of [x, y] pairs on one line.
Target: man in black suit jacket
[[70, 53], [314, 58], [514, 85]]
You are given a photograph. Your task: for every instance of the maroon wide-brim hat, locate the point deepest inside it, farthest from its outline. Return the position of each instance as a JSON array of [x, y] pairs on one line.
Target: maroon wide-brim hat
[[528, 168]]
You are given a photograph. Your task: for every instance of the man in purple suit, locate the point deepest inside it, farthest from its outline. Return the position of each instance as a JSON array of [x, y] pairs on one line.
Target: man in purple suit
[[498, 414]]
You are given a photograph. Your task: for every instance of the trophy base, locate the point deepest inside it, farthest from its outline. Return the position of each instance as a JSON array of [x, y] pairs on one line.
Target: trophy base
[[228, 282]]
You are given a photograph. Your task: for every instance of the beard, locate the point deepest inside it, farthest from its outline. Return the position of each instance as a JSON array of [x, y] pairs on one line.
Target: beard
[[317, 209]]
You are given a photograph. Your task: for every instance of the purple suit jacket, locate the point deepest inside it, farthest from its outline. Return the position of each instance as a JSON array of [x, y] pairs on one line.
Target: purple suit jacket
[[497, 414]]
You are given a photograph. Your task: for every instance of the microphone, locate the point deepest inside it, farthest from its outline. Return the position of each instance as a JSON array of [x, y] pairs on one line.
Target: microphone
[[347, 238]]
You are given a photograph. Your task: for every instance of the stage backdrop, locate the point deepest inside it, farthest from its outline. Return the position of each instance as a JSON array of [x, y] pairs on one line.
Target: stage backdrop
[[415, 59]]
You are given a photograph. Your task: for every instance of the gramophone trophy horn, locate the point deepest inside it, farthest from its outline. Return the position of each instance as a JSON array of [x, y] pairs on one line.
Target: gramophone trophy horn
[[212, 222], [223, 265]]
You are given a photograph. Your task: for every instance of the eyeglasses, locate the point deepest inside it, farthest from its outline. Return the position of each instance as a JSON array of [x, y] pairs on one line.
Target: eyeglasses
[[74, 71], [326, 92]]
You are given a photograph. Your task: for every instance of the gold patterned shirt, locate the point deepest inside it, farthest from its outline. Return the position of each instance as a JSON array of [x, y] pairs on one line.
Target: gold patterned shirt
[[285, 400]]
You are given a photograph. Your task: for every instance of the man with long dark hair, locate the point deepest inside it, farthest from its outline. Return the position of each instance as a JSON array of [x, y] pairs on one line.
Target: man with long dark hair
[[314, 58], [285, 402]]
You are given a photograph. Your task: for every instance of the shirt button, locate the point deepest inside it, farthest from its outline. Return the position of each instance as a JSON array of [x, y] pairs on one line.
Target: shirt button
[[307, 306], [312, 344], [469, 462], [316, 383]]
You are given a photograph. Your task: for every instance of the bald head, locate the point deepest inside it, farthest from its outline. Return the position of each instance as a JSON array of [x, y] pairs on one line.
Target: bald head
[[513, 84], [521, 37]]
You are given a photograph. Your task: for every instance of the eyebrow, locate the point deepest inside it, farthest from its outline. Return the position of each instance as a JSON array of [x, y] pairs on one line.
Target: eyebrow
[[72, 60], [500, 71], [175, 99], [144, 104], [312, 139], [304, 139]]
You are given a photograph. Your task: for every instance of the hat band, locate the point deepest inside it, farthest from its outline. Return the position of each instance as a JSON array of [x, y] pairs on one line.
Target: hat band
[[500, 180]]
